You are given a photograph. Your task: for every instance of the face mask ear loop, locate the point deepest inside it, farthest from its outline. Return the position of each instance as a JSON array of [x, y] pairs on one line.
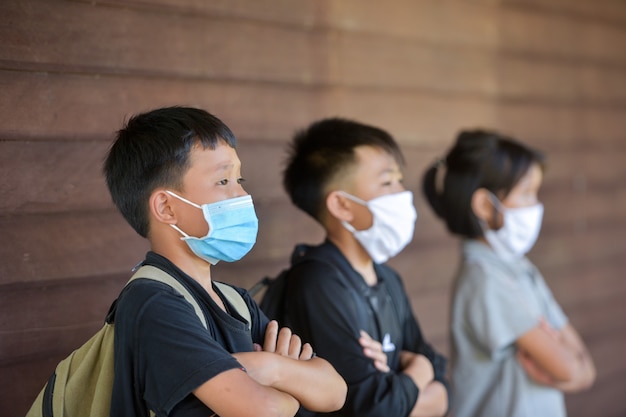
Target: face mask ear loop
[[357, 200], [497, 205], [185, 235], [353, 198], [183, 199]]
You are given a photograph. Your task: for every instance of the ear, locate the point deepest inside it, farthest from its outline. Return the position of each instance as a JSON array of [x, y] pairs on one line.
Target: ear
[[339, 206], [482, 206], [160, 207]]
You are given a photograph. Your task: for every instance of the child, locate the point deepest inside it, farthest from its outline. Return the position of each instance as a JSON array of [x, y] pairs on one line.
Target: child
[[340, 295], [513, 351], [175, 176]]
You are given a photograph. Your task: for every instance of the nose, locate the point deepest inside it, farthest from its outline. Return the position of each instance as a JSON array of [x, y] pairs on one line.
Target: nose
[[398, 187], [237, 191]]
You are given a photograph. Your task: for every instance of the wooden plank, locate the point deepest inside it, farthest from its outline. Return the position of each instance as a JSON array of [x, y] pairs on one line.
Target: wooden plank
[[16, 398], [414, 119], [554, 126], [372, 61], [279, 12], [474, 23], [57, 101], [608, 12], [124, 40], [67, 176], [606, 393], [67, 245], [546, 79], [43, 319], [53, 176], [542, 34]]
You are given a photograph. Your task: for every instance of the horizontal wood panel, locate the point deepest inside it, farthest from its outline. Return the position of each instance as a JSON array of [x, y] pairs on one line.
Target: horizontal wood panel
[[474, 23], [582, 187], [258, 111], [263, 112], [559, 36], [308, 12], [124, 40], [373, 62], [67, 245], [419, 119], [557, 81], [79, 243], [604, 11], [604, 398], [557, 127], [16, 398]]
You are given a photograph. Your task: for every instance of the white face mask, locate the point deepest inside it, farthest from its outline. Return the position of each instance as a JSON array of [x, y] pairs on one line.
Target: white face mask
[[519, 232], [392, 229]]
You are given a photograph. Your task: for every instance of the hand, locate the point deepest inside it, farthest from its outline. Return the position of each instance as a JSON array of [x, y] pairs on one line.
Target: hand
[[284, 343], [374, 350]]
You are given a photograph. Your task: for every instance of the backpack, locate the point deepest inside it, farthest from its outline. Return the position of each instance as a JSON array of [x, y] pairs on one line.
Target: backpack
[[273, 301], [82, 383]]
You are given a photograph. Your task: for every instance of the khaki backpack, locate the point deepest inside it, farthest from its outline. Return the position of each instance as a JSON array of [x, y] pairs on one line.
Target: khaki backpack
[[82, 383]]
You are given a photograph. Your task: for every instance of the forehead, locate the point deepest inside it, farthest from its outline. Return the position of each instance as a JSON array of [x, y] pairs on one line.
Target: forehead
[[374, 160], [207, 160]]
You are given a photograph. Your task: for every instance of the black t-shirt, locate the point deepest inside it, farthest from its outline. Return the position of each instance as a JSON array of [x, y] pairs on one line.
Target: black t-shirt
[[162, 350], [328, 303]]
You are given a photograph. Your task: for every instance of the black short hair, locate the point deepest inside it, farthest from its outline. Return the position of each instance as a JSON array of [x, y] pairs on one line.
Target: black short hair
[[152, 150], [323, 150], [478, 159]]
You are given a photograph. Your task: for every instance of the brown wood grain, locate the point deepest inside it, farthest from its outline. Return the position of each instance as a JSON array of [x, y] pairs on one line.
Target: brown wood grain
[[549, 73]]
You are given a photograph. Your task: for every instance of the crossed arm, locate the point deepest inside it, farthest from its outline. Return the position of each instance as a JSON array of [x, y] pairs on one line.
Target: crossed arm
[[433, 396], [557, 358], [279, 376]]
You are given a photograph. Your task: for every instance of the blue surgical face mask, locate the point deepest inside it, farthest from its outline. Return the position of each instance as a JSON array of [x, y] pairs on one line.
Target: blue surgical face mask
[[233, 227]]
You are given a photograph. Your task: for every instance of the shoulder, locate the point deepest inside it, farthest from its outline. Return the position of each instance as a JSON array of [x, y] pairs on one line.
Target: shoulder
[[144, 298]]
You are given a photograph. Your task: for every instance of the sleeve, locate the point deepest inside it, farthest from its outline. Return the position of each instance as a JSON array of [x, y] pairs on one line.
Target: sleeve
[[414, 340], [552, 310], [324, 311], [498, 310], [165, 327]]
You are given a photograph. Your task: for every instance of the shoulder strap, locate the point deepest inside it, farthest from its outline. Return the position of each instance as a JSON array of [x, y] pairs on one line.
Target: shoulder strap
[[235, 299], [156, 274]]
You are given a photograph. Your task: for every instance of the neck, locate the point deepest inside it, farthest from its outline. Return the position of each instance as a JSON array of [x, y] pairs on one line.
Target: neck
[[181, 256], [356, 255]]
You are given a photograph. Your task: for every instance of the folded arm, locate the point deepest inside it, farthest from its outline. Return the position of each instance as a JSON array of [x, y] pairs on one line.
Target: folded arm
[[288, 366], [433, 396], [556, 358]]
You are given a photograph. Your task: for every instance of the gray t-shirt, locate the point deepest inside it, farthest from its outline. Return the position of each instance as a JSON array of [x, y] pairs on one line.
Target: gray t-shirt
[[494, 303]]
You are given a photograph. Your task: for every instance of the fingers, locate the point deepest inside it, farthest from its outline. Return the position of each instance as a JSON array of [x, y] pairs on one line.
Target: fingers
[[307, 352], [271, 334], [284, 342], [374, 350]]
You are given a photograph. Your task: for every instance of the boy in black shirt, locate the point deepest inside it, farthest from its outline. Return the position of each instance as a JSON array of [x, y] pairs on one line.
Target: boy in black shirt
[[340, 295], [175, 176]]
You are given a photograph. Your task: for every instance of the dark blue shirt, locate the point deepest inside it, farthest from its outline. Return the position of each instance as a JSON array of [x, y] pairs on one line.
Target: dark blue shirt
[[162, 350]]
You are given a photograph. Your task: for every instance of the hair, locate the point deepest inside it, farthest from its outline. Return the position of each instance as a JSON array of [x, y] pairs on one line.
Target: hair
[[152, 150], [322, 152], [478, 159]]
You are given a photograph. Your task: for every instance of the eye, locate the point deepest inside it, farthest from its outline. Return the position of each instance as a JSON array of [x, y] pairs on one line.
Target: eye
[[241, 180], [223, 182]]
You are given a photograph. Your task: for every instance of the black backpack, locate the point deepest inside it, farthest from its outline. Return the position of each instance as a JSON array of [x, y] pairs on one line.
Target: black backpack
[[272, 302]]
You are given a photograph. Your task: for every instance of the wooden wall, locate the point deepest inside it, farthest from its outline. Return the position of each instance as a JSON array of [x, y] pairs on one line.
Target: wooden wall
[[552, 72]]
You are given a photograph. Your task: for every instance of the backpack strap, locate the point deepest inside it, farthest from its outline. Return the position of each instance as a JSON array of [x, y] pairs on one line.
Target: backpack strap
[[236, 300], [156, 274]]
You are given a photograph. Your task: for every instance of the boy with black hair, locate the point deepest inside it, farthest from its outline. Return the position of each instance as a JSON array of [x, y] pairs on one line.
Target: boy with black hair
[[340, 295], [175, 176]]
